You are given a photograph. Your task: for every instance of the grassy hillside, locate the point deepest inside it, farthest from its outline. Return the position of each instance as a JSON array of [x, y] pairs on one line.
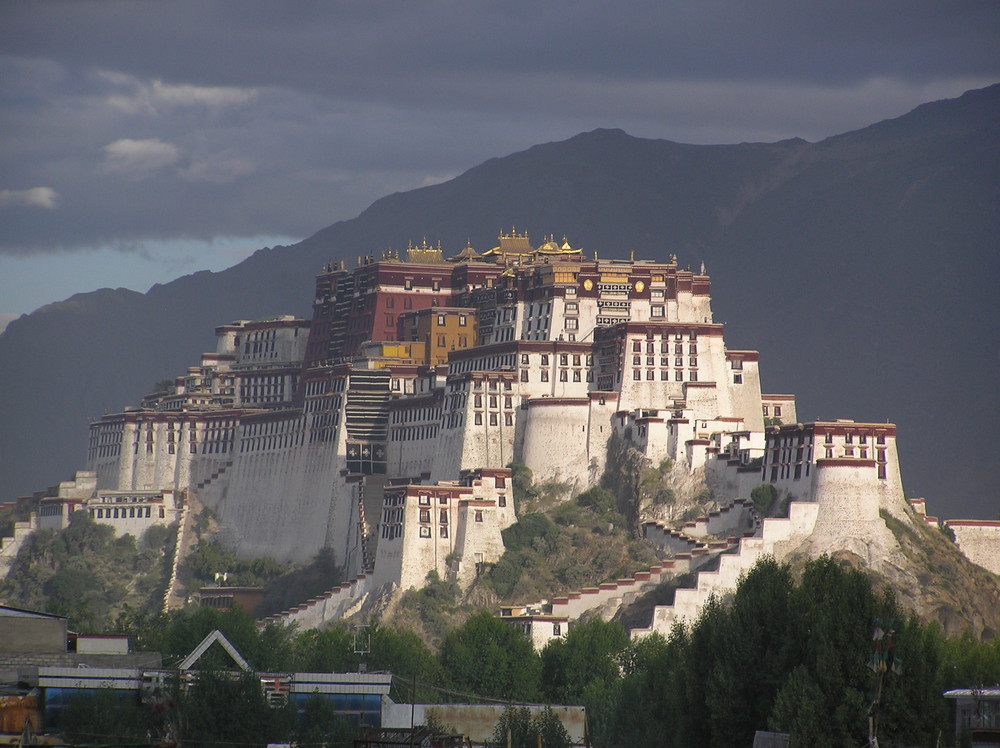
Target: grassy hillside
[[88, 575]]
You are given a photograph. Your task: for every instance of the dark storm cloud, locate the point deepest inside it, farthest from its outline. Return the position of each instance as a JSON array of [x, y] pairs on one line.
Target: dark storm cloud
[[125, 121]]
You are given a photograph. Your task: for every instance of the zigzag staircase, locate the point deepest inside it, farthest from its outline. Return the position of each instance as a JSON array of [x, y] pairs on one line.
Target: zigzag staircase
[[214, 476], [773, 532], [689, 553]]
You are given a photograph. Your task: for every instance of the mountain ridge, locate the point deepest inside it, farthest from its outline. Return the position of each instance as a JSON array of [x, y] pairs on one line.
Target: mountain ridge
[[821, 256]]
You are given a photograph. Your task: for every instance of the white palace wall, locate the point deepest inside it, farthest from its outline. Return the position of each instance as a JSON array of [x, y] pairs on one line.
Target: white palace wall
[[979, 540], [289, 500], [556, 443]]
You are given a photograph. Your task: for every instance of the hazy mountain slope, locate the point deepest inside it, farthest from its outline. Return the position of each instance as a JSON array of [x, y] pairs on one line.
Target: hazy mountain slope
[[862, 267]]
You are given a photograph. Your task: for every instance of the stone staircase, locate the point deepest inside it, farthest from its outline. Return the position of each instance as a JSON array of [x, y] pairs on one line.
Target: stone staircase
[[774, 532], [340, 602], [200, 485]]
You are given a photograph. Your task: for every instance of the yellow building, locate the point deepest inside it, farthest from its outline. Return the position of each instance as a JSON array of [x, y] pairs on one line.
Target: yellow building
[[441, 329]]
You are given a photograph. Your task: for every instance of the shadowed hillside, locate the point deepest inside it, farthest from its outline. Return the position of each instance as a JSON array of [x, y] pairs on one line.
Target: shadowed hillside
[[862, 267]]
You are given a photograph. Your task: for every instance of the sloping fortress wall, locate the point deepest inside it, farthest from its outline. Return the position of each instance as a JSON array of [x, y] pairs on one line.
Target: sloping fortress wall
[[979, 540]]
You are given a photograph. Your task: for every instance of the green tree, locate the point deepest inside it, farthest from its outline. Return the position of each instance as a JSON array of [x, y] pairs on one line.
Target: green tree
[[405, 655], [799, 710], [588, 659], [753, 636], [650, 687], [519, 729], [107, 717], [232, 708], [321, 725], [488, 657], [328, 651], [763, 498], [522, 485]]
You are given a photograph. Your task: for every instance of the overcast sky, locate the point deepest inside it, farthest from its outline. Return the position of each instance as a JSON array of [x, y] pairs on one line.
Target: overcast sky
[[141, 140]]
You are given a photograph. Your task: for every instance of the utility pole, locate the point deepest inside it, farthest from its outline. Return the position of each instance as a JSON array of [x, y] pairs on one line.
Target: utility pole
[[362, 645]]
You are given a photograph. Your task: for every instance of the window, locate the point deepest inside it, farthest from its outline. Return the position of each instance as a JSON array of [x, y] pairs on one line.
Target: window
[[650, 374], [425, 515], [679, 349], [424, 500], [443, 531], [829, 453], [479, 515], [443, 517], [442, 500], [765, 410], [572, 323], [462, 320], [545, 375], [777, 411], [508, 419], [678, 362], [693, 362], [478, 420], [425, 532], [545, 359], [524, 375], [636, 360], [737, 364], [848, 438], [563, 359], [679, 375], [556, 629], [502, 498], [563, 375], [493, 419], [737, 379], [637, 374], [664, 375], [571, 306], [576, 375], [440, 320], [435, 285], [636, 347], [408, 285], [524, 359], [477, 401], [656, 311]]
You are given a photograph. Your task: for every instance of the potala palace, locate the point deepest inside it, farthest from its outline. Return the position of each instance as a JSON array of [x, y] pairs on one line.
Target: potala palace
[[383, 428]]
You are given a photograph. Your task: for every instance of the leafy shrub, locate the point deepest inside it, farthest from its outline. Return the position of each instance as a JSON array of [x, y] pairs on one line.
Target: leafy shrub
[[763, 498]]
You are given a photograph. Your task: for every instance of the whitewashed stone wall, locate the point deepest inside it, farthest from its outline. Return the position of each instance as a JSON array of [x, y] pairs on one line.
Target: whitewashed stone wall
[[979, 540]]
